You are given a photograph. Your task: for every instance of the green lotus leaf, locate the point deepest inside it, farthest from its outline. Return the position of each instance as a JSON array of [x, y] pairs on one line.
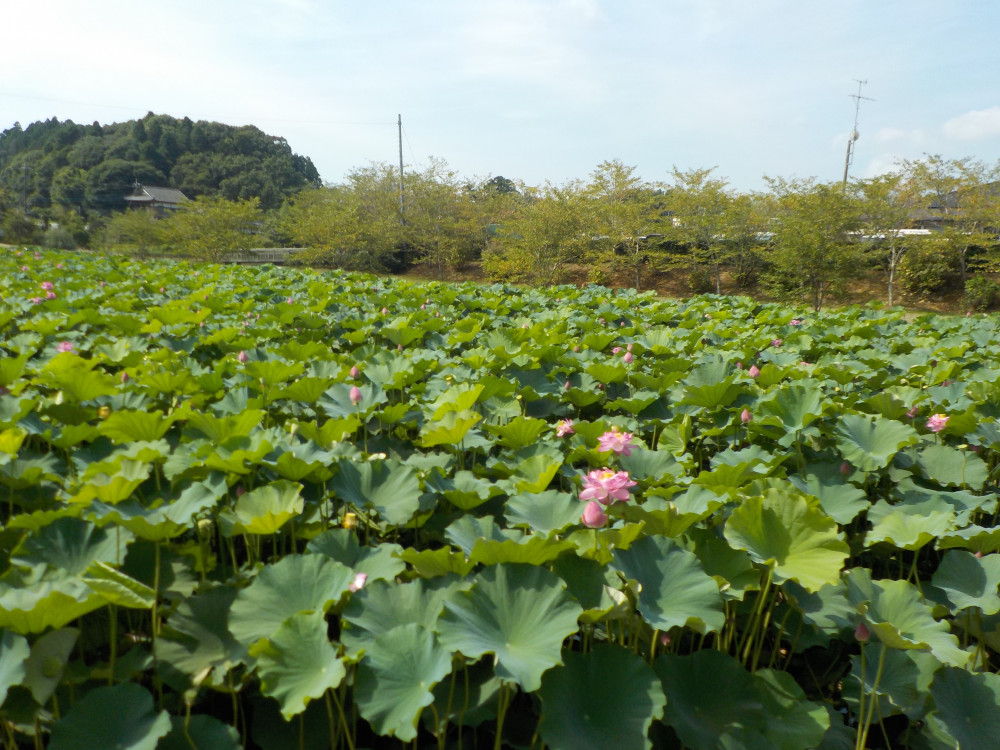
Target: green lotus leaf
[[194, 641], [331, 431], [968, 581], [790, 409], [674, 589], [519, 432], [118, 588], [199, 732], [298, 663], [457, 398], [388, 486], [467, 530], [131, 426], [265, 509], [909, 525], [606, 698], [520, 613], [383, 605], [70, 545], [826, 609], [11, 440], [951, 466], [732, 569], [965, 504], [119, 716], [449, 430], [46, 604], [903, 684], [791, 534], [535, 474], [973, 537], [45, 667], [870, 444], [431, 563], [301, 461], [394, 681], [532, 550], [79, 383], [220, 429], [897, 615], [543, 512], [793, 722], [465, 490], [294, 584], [652, 467], [842, 502], [114, 487], [380, 562], [969, 706], [336, 401], [14, 652]]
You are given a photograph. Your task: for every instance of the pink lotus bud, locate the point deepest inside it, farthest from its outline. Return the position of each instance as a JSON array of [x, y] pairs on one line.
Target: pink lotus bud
[[845, 468], [979, 555], [913, 411], [242, 357], [358, 582], [739, 365], [664, 640], [290, 300], [628, 358], [355, 372], [753, 371], [616, 350], [567, 386], [629, 347], [240, 491], [355, 395], [385, 310], [594, 516], [776, 342], [64, 346], [124, 377], [745, 416], [862, 633]]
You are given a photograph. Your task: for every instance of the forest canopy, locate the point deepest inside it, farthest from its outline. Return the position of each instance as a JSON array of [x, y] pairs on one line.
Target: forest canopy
[[91, 168]]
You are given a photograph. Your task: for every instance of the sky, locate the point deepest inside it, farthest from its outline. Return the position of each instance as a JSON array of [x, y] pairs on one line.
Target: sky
[[533, 90]]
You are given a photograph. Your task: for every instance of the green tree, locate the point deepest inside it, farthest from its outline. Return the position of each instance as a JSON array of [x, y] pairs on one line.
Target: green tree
[[814, 248], [214, 228], [701, 208], [135, 231], [887, 205], [622, 212], [547, 231]]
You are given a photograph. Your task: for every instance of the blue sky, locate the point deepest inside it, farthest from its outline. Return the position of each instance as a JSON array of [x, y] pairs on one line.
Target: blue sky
[[533, 90]]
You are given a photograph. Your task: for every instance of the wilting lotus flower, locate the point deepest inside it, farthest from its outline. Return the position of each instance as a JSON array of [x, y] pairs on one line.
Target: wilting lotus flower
[[358, 582], [64, 346], [753, 371], [355, 395], [617, 441], [937, 422], [564, 427], [242, 357], [606, 486], [594, 516], [745, 416]]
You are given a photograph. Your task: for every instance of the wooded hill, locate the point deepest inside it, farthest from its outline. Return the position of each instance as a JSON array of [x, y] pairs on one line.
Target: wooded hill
[[91, 168]]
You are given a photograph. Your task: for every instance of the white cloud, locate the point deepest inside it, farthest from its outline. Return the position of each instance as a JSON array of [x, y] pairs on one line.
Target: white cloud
[[974, 126]]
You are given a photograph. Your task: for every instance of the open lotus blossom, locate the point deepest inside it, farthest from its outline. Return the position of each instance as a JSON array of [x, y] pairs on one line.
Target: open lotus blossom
[[753, 371], [46, 285], [606, 486], [50, 295], [35, 300], [64, 346], [358, 583], [617, 441], [594, 516], [795, 322], [776, 342], [564, 427], [937, 422], [355, 395]]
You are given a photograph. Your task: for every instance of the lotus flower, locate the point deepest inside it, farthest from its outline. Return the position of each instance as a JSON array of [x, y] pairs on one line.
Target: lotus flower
[[912, 411], [753, 371], [937, 422], [862, 633], [50, 295], [776, 342], [745, 416], [64, 346], [564, 427], [795, 322], [242, 357], [628, 358], [355, 372], [617, 441], [355, 395], [46, 285], [358, 583], [594, 516], [606, 486]]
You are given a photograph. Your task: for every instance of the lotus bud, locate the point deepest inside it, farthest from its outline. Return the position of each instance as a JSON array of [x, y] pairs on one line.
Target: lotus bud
[[124, 376], [628, 358], [355, 372], [862, 633], [355, 395], [242, 357], [745, 416], [753, 371], [845, 468], [594, 516]]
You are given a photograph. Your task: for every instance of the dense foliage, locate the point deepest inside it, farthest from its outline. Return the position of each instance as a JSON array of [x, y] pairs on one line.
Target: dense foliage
[[270, 508], [91, 168]]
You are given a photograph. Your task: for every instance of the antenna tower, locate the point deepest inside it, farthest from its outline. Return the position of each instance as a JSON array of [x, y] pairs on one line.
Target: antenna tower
[[853, 137]]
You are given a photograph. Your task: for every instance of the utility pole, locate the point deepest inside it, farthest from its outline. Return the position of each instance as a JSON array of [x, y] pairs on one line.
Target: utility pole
[[853, 137], [402, 205]]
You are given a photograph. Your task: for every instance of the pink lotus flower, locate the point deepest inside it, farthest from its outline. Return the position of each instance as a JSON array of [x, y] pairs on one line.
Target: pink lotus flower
[[795, 322], [776, 342], [64, 346], [46, 285], [616, 350], [628, 358], [845, 468], [35, 300], [937, 422], [564, 427], [242, 357], [912, 411], [358, 583], [753, 371], [606, 486], [617, 441], [124, 376], [594, 516], [355, 395], [50, 295], [290, 300], [355, 372], [745, 416]]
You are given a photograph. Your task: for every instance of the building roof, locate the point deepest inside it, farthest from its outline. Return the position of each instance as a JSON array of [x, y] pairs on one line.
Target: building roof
[[157, 195]]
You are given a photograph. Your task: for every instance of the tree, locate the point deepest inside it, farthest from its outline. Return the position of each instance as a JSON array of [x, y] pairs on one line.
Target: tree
[[546, 231], [702, 213], [623, 212], [135, 231], [887, 205], [214, 228], [814, 250]]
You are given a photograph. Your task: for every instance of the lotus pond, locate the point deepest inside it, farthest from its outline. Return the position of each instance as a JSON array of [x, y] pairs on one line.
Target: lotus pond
[[274, 508]]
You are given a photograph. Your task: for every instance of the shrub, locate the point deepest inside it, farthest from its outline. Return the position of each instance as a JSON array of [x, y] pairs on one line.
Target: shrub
[[980, 293], [700, 281], [928, 268], [58, 238]]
